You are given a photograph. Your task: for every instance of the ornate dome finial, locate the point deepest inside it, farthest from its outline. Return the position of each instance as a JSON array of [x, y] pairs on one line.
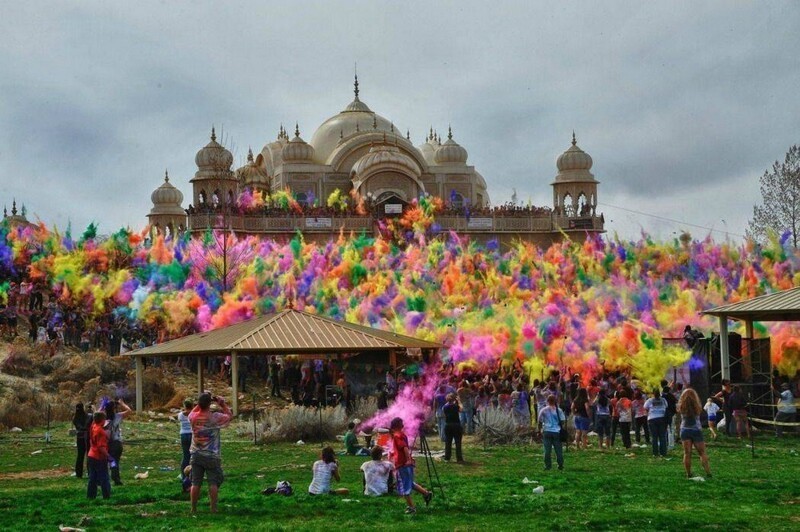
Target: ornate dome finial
[[213, 134], [296, 130], [449, 132], [14, 207], [408, 134], [249, 154], [574, 141], [166, 176], [355, 84]]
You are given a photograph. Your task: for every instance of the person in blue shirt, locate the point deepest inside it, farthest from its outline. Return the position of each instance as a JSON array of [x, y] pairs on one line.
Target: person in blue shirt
[[656, 408], [550, 419]]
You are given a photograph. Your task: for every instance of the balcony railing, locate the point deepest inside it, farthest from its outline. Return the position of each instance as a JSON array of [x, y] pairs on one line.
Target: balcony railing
[[492, 223]]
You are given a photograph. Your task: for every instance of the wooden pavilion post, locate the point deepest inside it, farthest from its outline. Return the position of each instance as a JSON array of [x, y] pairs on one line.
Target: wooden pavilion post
[[235, 383], [201, 361], [139, 383], [748, 329], [724, 351]]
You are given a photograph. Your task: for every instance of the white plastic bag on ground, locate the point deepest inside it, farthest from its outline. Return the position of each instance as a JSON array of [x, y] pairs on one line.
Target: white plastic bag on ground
[[538, 490]]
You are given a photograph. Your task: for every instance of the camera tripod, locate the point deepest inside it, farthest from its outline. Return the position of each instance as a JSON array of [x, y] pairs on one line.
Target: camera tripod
[[431, 465]]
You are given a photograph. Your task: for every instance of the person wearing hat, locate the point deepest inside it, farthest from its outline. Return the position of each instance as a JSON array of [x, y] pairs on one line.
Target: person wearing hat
[[786, 408]]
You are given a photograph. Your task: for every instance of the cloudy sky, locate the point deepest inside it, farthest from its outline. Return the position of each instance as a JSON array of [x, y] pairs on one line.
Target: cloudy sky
[[681, 105]]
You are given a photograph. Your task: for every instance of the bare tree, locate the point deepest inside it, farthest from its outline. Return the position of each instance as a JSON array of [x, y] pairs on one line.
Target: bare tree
[[780, 199]]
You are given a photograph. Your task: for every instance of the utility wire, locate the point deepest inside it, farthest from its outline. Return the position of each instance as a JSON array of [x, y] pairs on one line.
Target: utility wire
[[664, 218]]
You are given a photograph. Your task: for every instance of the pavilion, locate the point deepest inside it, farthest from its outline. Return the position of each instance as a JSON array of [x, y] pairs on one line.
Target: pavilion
[[290, 332], [778, 306]]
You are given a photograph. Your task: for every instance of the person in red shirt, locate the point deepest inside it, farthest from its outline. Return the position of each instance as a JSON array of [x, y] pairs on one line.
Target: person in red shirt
[[98, 458], [404, 467]]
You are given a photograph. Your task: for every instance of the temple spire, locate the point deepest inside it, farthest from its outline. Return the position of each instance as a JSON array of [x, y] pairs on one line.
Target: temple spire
[[213, 134], [166, 176], [574, 141], [449, 132], [355, 83], [14, 207], [296, 130]]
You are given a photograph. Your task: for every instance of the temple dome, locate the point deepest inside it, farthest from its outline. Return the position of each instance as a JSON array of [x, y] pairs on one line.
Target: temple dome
[[450, 153], [428, 149], [574, 158], [213, 156], [574, 164], [167, 199], [251, 174], [355, 118], [297, 150]]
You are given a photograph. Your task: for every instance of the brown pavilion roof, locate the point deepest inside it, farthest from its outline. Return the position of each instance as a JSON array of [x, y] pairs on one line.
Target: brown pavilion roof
[[779, 306], [287, 332]]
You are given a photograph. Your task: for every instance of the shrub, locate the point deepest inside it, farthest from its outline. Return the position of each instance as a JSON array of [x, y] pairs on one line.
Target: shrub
[[364, 408], [84, 368], [26, 407], [19, 362], [158, 388], [498, 426], [302, 423]]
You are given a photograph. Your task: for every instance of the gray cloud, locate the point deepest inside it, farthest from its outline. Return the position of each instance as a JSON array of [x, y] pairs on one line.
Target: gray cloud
[[682, 106]]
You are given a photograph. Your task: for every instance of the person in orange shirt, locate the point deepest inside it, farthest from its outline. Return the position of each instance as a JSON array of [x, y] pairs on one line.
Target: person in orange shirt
[[98, 458]]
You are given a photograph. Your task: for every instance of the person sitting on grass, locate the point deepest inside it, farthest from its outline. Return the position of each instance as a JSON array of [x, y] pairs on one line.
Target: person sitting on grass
[[377, 474], [404, 467], [98, 458], [324, 470], [692, 431], [351, 442]]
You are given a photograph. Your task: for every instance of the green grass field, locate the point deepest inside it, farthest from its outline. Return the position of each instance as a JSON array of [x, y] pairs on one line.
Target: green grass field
[[596, 491]]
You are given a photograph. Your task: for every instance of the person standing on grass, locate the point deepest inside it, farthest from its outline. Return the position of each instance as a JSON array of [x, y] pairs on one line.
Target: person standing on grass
[[692, 431], [602, 419], [551, 419], [738, 402], [725, 396], [205, 449], [185, 433], [115, 411], [404, 467], [325, 469], [711, 409], [625, 410], [582, 411], [82, 422], [656, 408], [640, 417], [453, 431], [786, 408], [98, 458]]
